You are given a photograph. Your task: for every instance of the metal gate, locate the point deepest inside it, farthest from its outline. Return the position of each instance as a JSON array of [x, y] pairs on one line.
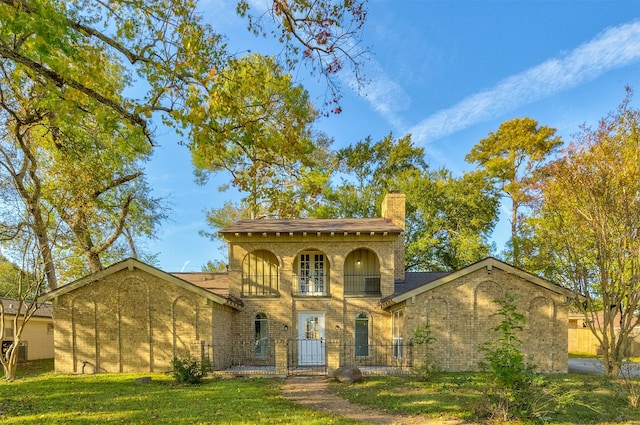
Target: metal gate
[[307, 356]]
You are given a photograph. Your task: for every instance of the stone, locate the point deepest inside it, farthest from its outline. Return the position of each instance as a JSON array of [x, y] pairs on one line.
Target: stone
[[347, 374], [144, 380]]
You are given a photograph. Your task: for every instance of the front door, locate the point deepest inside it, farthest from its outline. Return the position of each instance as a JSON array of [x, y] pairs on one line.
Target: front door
[[311, 343]]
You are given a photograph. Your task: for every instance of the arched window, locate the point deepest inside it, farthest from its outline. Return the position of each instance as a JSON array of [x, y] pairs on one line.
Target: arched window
[[362, 335], [260, 274], [260, 336]]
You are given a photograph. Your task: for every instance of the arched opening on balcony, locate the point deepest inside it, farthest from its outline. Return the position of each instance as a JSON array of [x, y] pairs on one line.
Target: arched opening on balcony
[[362, 273], [260, 274]]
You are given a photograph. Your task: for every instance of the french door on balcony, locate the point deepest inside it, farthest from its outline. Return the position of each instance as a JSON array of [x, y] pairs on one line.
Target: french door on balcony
[[311, 274]]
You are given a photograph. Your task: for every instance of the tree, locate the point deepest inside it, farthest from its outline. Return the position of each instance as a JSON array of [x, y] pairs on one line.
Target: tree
[[589, 218], [367, 171], [448, 219], [29, 281], [326, 32], [75, 174], [264, 139], [168, 52], [511, 157]]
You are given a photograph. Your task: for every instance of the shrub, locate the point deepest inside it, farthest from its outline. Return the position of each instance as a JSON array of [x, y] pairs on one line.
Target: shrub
[[422, 337], [515, 389], [188, 370]]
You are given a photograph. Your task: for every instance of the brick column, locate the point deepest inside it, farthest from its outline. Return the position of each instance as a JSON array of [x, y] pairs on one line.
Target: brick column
[[281, 357]]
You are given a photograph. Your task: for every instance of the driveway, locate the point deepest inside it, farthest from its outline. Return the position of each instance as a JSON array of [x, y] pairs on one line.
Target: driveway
[[595, 366]]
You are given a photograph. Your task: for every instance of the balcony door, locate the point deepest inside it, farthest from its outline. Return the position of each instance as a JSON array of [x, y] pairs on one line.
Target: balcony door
[[311, 274]]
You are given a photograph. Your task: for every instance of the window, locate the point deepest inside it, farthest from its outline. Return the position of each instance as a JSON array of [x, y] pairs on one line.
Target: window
[[49, 328], [260, 336], [8, 330], [260, 274], [362, 335], [311, 276], [397, 324]]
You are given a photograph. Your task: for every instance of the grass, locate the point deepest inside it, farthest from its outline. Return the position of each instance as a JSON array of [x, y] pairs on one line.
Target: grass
[[596, 399], [39, 396]]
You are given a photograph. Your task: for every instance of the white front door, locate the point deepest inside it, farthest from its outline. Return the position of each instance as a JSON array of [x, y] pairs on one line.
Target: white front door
[[311, 343]]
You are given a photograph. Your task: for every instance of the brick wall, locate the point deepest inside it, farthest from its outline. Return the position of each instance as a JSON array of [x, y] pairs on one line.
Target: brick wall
[[132, 321], [339, 310], [459, 313]]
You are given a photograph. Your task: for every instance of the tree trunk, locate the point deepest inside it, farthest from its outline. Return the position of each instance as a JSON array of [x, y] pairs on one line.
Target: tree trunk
[[10, 361], [515, 243]]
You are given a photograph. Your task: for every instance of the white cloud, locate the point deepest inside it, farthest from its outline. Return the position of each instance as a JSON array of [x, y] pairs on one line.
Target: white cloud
[[384, 95], [613, 48]]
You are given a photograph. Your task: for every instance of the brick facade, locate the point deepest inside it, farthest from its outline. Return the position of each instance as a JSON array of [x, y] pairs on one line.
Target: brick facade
[[283, 275], [132, 320], [460, 316]]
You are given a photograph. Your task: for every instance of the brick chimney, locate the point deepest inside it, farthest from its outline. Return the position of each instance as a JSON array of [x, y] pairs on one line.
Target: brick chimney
[[393, 210]]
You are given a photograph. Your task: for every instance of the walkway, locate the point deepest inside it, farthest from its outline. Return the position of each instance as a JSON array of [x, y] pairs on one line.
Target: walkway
[[313, 392]]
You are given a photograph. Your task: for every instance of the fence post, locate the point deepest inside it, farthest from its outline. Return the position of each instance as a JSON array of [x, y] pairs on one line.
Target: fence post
[[281, 357], [333, 355]]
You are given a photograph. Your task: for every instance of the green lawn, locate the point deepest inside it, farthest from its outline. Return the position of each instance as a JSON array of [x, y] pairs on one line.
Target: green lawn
[[596, 399], [40, 397]]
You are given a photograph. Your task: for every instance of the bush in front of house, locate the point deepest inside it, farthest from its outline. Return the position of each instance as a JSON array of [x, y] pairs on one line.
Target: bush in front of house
[[189, 370], [422, 337], [515, 390]]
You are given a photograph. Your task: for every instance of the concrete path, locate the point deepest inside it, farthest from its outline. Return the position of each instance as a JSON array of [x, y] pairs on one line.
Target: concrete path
[[595, 366]]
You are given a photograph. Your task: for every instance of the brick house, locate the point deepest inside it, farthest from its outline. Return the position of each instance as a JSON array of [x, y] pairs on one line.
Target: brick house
[[306, 294]]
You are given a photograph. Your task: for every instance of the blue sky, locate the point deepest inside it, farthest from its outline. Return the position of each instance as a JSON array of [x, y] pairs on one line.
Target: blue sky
[[447, 72]]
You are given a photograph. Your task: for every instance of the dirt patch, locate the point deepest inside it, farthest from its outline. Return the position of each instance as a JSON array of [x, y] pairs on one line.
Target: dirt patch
[[313, 392]]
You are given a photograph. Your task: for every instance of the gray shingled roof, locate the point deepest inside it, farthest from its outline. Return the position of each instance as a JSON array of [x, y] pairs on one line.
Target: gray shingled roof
[[314, 225], [11, 308]]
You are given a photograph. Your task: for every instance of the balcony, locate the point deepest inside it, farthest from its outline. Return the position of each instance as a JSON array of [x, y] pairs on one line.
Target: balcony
[[362, 284], [311, 286]]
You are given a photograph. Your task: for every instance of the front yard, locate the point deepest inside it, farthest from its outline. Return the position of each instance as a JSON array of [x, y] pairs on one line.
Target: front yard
[[40, 397]]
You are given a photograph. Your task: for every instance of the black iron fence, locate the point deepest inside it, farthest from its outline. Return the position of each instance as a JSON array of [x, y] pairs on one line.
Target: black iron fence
[[241, 357], [310, 357], [361, 284]]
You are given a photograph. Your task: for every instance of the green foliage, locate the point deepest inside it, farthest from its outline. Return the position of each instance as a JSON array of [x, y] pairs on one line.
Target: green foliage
[[188, 370], [423, 338], [448, 219], [258, 131], [512, 157], [368, 170], [587, 226], [515, 389], [503, 355]]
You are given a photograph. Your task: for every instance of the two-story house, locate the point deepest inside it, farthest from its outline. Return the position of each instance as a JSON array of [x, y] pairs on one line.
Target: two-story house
[[305, 295]]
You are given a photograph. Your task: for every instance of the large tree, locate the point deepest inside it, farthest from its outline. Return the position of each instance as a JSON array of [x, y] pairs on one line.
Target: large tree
[[510, 157], [75, 174], [589, 220], [265, 141], [448, 219], [365, 172], [171, 56]]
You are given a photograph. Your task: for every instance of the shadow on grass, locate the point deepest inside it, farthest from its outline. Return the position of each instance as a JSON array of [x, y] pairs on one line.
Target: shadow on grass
[[111, 398]]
